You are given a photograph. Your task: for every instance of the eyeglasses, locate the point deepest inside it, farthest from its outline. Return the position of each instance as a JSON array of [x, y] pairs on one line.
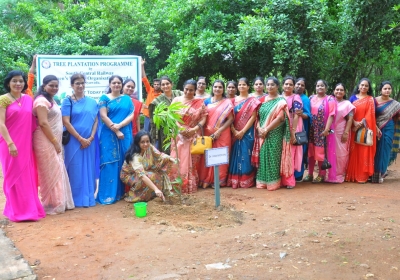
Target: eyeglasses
[[79, 84]]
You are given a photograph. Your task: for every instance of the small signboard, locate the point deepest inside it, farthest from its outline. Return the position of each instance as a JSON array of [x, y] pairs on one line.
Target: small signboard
[[217, 156]]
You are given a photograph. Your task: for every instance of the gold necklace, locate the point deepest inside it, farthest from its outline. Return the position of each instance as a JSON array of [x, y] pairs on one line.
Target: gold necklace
[[19, 99]]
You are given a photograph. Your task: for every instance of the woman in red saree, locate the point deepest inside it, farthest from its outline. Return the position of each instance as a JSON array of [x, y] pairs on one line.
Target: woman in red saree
[[220, 117], [194, 117], [241, 172], [128, 88], [361, 159], [17, 124]]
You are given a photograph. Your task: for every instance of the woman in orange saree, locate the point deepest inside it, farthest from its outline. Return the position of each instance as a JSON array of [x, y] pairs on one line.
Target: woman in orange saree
[[194, 117], [361, 160], [220, 117]]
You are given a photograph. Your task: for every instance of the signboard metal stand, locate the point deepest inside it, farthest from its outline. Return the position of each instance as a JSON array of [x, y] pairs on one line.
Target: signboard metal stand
[[215, 157], [216, 186]]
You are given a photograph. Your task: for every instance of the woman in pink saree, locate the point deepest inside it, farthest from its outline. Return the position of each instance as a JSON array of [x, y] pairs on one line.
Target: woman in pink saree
[[343, 122], [194, 117], [17, 123], [321, 142], [55, 189], [220, 117], [294, 103]]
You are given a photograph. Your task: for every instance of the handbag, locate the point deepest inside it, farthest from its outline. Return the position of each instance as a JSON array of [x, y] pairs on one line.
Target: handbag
[[201, 143], [364, 135], [66, 136], [325, 164], [301, 137]]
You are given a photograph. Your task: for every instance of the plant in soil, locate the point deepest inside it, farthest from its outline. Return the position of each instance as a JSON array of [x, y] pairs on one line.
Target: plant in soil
[[167, 118]]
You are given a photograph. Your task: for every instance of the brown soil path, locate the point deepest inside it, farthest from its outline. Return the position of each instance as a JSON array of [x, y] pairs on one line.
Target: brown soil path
[[326, 231]]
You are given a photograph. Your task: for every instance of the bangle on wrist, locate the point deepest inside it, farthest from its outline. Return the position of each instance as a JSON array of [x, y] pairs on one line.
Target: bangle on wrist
[[9, 144]]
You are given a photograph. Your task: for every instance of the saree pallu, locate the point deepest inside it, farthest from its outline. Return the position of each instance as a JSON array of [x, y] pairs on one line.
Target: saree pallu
[[157, 135], [112, 149], [384, 119], [275, 158], [241, 173], [306, 124], [191, 115], [55, 189], [136, 114], [294, 103], [218, 113], [20, 183], [81, 163], [396, 143], [321, 110], [153, 164], [361, 159], [342, 149]]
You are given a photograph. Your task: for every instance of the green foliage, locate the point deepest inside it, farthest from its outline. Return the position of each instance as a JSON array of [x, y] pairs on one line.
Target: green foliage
[[167, 118]]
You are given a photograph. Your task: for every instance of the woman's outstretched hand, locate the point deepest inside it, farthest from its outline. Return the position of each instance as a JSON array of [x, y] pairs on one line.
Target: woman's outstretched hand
[[160, 194]]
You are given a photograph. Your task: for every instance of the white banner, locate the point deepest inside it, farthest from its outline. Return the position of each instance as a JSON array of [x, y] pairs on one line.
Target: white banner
[[97, 70]]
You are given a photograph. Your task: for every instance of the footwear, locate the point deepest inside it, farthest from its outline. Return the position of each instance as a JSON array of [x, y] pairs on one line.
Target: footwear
[[318, 179], [308, 178], [299, 180], [289, 187]]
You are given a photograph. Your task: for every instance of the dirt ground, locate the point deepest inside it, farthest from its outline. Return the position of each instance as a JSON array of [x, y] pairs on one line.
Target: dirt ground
[[325, 231]]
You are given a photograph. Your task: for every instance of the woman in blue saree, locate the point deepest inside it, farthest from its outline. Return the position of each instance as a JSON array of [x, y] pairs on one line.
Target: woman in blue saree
[[387, 113], [241, 173], [80, 152], [116, 112]]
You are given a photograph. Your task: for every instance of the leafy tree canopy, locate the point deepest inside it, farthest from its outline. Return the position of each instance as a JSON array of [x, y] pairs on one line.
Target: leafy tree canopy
[[337, 40]]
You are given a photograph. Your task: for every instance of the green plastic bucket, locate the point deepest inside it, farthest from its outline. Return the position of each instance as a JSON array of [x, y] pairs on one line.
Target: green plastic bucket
[[140, 209]]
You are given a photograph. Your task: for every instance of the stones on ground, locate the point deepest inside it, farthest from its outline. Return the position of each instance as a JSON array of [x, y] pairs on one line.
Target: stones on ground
[[369, 275], [12, 263], [364, 265], [326, 219], [351, 207], [219, 265], [282, 255]]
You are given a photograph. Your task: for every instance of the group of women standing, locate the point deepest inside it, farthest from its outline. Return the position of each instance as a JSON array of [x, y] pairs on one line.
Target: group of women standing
[[31, 144], [258, 128]]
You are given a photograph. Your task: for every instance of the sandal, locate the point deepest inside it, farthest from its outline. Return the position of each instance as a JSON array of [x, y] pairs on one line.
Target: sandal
[[289, 187], [308, 178], [318, 179]]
